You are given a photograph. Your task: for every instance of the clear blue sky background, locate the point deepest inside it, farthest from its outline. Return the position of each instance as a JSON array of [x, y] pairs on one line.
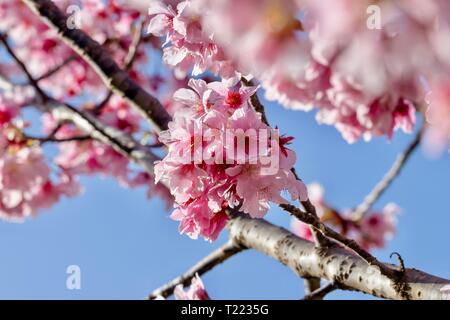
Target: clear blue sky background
[[126, 245]]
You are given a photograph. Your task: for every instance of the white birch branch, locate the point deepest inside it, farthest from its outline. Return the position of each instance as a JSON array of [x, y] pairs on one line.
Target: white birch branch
[[335, 264]]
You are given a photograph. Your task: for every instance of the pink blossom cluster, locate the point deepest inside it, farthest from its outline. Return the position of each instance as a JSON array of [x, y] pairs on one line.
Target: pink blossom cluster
[[371, 231], [108, 22], [191, 49], [216, 176], [91, 157], [112, 24], [26, 183], [318, 54]]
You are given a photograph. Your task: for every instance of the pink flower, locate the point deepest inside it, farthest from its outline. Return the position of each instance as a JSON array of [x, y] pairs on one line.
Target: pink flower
[[376, 228], [372, 231], [195, 292], [301, 229], [118, 114], [23, 169], [316, 196], [191, 47], [438, 116], [26, 185], [196, 218], [8, 111], [218, 172]]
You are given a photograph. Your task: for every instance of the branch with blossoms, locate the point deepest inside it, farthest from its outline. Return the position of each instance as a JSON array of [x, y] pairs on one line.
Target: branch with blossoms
[[215, 181]]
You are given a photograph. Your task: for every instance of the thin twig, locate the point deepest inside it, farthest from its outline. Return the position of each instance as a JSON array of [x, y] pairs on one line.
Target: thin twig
[[321, 292], [388, 178], [218, 256], [56, 68], [133, 49], [311, 284]]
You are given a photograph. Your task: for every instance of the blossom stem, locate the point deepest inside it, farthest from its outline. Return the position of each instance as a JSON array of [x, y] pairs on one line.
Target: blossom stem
[[57, 68]]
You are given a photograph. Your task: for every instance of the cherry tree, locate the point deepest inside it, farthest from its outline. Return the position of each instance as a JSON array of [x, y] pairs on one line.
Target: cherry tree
[[196, 134]]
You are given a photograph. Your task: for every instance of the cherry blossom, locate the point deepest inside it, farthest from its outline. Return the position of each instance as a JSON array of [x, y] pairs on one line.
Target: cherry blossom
[[438, 117], [26, 185], [191, 48], [196, 291], [206, 174], [300, 68], [371, 231], [376, 227]]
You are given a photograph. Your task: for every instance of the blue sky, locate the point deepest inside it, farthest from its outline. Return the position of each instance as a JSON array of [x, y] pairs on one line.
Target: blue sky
[[126, 245]]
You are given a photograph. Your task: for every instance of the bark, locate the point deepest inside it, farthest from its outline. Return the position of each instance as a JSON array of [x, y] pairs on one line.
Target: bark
[[334, 264]]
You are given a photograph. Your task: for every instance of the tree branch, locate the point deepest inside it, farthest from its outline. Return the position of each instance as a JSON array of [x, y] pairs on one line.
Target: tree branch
[[335, 263], [388, 178], [101, 61], [311, 285], [43, 140], [218, 256], [330, 233]]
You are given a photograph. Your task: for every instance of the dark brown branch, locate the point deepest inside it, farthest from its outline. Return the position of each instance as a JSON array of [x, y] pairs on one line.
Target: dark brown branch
[[3, 39], [311, 285], [101, 61], [218, 256], [254, 100], [43, 140], [388, 178]]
